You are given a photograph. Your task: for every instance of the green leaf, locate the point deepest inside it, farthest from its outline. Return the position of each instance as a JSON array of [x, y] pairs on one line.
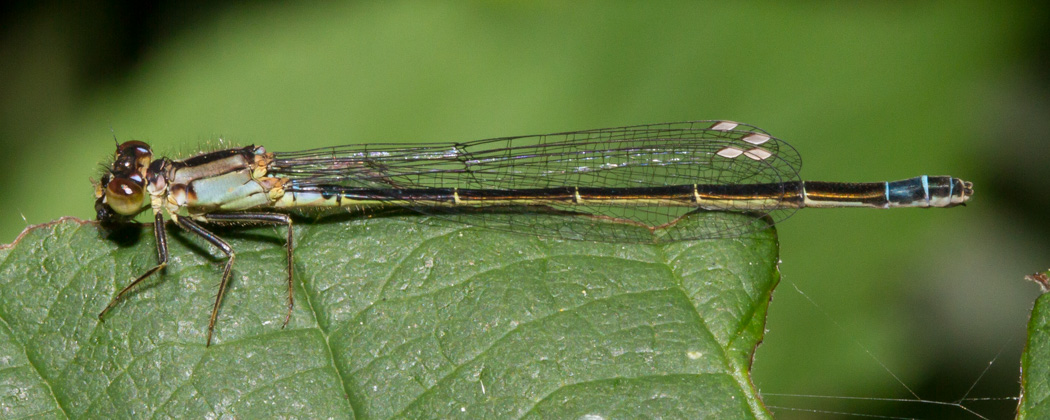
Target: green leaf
[[395, 317], [1035, 363]]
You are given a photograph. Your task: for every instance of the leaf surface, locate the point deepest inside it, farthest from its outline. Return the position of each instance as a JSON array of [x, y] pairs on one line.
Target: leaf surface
[[394, 317], [1035, 363]]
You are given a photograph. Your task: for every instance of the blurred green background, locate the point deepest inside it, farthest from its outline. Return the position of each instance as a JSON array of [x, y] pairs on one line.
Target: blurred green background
[[866, 91]]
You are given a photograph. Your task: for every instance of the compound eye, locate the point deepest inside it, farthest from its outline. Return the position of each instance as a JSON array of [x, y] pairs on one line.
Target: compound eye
[[134, 148], [133, 156], [124, 196]]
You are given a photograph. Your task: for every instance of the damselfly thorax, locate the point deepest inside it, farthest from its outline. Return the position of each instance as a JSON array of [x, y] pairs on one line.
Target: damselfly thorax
[[646, 175]]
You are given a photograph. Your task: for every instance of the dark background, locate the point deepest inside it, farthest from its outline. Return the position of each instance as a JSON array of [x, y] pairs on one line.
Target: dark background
[[865, 91]]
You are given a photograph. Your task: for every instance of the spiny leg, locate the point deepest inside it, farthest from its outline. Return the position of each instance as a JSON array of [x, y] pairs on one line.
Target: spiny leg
[[195, 228], [161, 238], [264, 218]]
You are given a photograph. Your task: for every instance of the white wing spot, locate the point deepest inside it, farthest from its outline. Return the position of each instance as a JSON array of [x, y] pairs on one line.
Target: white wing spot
[[756, 138], [758, 153], [724, 125], [729, 152]]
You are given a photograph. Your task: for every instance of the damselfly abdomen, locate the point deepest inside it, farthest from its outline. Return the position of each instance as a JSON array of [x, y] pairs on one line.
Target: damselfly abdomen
[[601, 181]]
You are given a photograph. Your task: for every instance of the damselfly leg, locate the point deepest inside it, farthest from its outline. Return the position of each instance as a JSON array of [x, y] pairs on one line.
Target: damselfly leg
[[193, 227], [262, 219], [161, 238]]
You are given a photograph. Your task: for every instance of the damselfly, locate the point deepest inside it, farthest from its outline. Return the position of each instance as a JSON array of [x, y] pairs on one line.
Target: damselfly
[[581, 185]]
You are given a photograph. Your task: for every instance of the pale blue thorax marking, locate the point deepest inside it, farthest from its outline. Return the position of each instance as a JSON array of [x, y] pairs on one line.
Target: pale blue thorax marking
[[926, 187]]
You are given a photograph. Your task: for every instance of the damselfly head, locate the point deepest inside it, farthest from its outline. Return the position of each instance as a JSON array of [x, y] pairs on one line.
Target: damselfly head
[[121, 193]]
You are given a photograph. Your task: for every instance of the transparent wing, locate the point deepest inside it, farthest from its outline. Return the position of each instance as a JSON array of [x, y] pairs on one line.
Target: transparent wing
[[684, 153]]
